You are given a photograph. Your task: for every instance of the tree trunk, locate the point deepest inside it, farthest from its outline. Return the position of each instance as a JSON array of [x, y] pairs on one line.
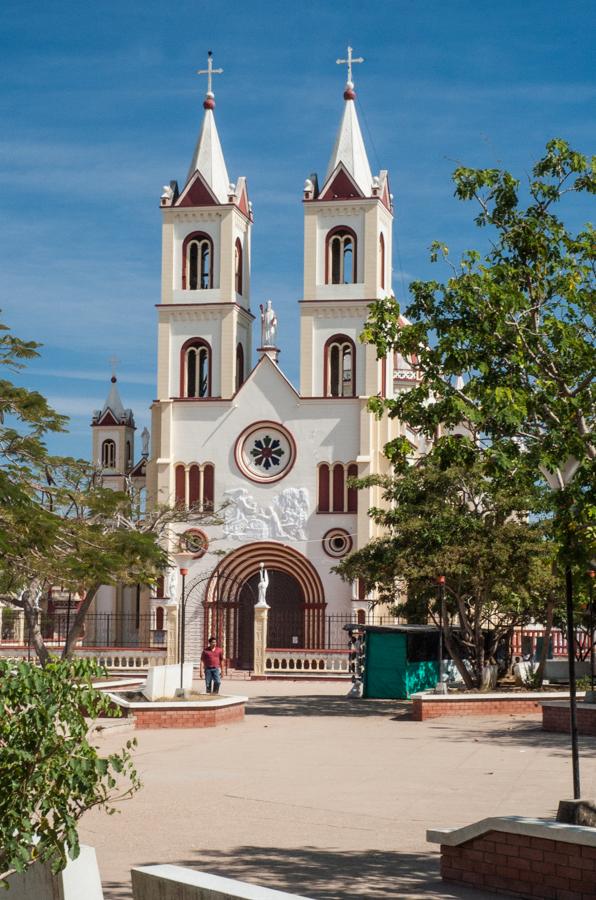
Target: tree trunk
[[76, 629], [456, 657], [550, 612], [35, 635]]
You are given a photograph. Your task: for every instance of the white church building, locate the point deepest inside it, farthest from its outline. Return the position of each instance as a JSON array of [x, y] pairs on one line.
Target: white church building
[[270, 458]]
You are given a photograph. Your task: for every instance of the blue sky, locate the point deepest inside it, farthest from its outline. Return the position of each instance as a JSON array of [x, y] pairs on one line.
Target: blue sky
[[101, 107]]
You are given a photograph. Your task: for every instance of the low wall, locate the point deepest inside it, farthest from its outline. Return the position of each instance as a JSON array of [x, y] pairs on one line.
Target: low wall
[[303, 664], [521, 857], [175, 882], [433, 706], [555, 717], [182, 714]]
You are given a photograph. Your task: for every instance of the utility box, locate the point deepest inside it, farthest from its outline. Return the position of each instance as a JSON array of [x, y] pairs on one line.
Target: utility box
[[400, 660]]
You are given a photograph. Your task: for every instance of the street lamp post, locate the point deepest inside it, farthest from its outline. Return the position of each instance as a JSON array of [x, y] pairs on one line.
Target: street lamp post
[[182, 626], [559, 480], [591, 576], [441, 586]]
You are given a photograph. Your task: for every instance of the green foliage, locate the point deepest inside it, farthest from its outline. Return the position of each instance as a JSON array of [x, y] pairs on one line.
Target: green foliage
[[445, 516], [517, 324], [50, 773]]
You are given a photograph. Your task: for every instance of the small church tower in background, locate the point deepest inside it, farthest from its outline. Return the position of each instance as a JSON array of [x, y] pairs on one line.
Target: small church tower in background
[[113, 439]]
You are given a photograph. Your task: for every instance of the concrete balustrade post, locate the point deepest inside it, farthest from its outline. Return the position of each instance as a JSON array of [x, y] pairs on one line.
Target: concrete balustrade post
[[171, 613], [260, 638], [20, 627]]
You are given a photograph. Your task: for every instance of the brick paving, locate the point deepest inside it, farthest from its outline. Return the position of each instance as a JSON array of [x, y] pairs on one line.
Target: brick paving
[[326, 796]]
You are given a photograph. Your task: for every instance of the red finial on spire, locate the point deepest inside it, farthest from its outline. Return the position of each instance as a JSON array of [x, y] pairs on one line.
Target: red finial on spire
[[209, 102], [349, 93]]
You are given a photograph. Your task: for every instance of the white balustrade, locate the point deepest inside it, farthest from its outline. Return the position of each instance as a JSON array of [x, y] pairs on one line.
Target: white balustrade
[[308, 662]]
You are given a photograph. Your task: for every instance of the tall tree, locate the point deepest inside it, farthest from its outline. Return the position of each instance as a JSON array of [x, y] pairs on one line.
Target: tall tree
[[59, 525], [505, 346], [453, 519]]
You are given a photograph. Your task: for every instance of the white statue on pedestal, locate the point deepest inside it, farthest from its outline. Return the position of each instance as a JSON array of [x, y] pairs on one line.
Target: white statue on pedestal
[[263, 585], [268, 325], [145, 439], [172, 584]]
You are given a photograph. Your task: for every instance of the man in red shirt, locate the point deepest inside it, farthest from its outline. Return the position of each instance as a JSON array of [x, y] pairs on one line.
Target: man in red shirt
[[211, 658]]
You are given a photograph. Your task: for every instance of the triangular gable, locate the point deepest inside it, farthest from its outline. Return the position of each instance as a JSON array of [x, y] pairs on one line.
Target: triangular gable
[[385, 190], [138, 471], [107, 418], [242, 201], [197, 193], [341, 186], [264, 363]]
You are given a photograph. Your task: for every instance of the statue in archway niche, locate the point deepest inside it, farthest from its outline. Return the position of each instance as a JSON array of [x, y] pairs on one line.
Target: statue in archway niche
[[263, 585]]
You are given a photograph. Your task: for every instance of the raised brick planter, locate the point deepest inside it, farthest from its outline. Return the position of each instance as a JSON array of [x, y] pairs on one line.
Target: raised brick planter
[[555, 717], [521, 858], [206, 714], [433, 706]]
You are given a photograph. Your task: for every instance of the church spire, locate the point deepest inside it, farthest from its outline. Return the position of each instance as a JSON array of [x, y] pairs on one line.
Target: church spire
[[349, 146], [208, 158]]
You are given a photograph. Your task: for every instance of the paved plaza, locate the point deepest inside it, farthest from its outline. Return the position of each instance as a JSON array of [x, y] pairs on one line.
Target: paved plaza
[[325, 796]]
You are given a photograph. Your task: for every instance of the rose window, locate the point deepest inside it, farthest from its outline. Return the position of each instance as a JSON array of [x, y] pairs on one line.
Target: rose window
[[265, 452]]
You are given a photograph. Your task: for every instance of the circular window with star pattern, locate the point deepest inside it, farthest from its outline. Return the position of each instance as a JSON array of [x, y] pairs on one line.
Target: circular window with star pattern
[[265, 452]]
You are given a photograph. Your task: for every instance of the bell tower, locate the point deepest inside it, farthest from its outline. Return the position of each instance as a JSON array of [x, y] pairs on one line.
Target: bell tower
[[205, 322], [204, 315], [347, 264]]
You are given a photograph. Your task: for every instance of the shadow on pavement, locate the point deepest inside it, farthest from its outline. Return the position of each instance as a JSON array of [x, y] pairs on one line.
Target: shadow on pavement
[[316, 705], [508, 732], [326, 874]]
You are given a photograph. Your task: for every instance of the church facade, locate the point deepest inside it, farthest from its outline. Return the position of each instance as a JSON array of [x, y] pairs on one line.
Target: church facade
[[266, 461]]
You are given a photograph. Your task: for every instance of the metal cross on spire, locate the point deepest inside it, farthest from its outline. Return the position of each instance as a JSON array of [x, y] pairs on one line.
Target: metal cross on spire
[[209, 71], [349, 62], [113, 361]]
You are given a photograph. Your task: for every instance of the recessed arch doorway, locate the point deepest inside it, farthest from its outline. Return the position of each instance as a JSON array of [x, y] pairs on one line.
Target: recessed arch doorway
[[295, 596]]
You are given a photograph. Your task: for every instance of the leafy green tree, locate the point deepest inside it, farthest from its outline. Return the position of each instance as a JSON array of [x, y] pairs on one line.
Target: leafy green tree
[[505, 346], [453, 519], [50, 773], [59, 525]]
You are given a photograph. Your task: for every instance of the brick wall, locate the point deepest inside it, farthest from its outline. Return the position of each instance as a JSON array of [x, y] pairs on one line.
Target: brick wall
[[475, 706], [556, 718], [522, 866], [187, 718]]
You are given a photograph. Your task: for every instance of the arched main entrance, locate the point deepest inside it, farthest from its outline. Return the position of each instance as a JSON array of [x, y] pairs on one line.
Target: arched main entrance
[[295, 596]]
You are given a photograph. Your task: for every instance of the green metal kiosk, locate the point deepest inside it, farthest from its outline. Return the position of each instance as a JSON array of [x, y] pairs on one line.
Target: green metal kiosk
[[399, 660]]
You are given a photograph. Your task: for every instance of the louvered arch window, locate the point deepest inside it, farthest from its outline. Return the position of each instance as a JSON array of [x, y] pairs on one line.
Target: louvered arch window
[[340, 263], [340, 368], [197, 262], [108, 455], [195, 369]]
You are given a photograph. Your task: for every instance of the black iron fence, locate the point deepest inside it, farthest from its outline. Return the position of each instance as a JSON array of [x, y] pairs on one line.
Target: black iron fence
[[100, 629], [311, 629]]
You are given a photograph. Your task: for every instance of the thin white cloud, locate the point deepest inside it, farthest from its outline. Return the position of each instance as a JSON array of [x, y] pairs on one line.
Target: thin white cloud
[[144, 378]]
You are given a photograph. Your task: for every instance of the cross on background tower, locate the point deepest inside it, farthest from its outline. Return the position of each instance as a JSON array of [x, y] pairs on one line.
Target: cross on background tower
[[113, 361], [209, 72], [350, 61]]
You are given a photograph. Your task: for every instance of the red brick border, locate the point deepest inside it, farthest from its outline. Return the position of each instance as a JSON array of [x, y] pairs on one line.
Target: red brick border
[[192, 717], [522, 866], [474, 706], [556, 718]]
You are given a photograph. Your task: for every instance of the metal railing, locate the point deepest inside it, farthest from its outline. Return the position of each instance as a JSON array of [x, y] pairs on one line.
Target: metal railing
[[99, 630], [311, 629]]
